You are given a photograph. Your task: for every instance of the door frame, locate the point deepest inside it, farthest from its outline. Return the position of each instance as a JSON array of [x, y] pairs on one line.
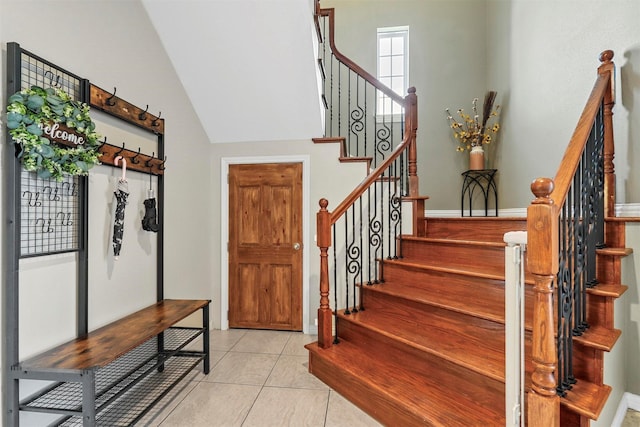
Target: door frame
[[224, 232]]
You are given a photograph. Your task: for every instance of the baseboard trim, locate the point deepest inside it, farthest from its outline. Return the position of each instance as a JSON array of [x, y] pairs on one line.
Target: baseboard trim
[[622, 209], [628, 401], [628, 209]]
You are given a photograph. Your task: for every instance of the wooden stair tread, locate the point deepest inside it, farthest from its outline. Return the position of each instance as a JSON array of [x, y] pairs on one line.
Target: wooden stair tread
[[355, 159], [456, 241], [328, 140], [599, 337], [623, 218], [463, 343], [586, 398], [608, 290], [621, 252], [428, 399]]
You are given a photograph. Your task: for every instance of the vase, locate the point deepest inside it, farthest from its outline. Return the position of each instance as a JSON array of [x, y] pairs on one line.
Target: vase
[[476, 158]]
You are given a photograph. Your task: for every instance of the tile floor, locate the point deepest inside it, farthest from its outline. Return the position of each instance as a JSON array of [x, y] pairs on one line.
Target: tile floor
[[257, 378], [632, 419], [261, 379]]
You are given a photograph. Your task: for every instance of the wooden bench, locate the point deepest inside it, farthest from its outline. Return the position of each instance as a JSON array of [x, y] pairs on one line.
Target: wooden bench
[[102, 377]]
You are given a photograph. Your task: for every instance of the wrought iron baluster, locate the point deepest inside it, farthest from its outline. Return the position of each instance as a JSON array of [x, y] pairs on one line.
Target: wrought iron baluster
[[335, 285]]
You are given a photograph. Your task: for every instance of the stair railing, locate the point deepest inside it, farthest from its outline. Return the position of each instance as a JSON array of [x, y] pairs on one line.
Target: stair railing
[[379, 124], [358, 107], [565, 226]]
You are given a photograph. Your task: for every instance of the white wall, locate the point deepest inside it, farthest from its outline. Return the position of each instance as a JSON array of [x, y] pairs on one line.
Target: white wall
[[631, 322], [114, 44], [546, 58], [248, 66]]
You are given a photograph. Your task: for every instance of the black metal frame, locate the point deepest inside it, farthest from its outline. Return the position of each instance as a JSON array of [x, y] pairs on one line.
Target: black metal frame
[[483, 179], [85, 382]]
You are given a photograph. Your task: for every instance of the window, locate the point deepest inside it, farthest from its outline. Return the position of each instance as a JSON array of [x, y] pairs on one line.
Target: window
[[393, 65]]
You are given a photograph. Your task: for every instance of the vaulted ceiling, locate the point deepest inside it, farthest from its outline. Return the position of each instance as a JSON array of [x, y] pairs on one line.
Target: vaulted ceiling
[[248, 66]]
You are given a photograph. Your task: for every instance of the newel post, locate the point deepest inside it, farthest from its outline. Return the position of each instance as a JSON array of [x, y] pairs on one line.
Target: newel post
[[542, 257], [411, 129], [607, 68], [323, 227]]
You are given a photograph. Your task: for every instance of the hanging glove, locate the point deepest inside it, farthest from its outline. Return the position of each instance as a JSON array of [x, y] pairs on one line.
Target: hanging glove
[[150, 220]]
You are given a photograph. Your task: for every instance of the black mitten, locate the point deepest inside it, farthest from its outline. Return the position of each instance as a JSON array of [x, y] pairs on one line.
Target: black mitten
[[150, 221]]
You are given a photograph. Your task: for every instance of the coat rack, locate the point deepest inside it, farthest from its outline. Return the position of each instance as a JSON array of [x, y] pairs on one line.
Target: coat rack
[[111, 104], [135, 160]]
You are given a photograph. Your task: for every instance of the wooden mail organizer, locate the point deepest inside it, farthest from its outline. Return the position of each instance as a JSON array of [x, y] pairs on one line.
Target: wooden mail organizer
[[115, 374]]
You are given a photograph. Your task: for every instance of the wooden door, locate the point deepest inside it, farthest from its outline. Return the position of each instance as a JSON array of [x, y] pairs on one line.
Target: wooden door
[[265, 246]]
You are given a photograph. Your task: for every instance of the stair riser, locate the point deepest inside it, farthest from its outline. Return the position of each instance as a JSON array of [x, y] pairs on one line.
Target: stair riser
[[419, 313], [588, 363], [478, 388], [419, 276], [490, 230], [455, 255]]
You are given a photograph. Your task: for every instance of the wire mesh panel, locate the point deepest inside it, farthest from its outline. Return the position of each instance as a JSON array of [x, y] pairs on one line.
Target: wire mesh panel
[[50, 210]]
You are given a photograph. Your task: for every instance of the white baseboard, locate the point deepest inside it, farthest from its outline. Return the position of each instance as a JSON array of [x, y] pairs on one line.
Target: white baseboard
[[628, 401], [622, 209], [628, 209]]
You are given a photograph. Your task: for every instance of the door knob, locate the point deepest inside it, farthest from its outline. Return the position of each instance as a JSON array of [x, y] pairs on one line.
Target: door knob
[[296, 246]]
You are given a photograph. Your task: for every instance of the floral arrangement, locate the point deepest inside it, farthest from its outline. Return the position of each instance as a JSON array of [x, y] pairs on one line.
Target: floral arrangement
[[472, 130], [35, 113]]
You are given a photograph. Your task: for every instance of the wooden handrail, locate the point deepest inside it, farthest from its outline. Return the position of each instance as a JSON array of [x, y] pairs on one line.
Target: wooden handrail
[[366, 183], [543, 243], [570, 161], [330, 14]]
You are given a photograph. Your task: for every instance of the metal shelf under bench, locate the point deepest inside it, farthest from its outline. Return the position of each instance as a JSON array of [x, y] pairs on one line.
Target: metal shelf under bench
[[115, 374]]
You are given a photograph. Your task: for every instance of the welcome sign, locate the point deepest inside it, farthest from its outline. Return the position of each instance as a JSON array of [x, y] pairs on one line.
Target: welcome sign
[[62, 134]]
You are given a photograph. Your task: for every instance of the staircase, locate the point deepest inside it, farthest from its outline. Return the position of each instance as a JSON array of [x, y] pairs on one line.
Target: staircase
[[428, 348], [411, 323]]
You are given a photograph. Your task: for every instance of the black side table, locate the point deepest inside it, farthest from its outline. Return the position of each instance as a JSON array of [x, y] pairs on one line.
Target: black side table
[[484, 181]]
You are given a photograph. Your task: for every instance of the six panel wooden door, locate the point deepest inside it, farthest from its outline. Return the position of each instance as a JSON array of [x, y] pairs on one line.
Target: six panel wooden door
[[265, 246]]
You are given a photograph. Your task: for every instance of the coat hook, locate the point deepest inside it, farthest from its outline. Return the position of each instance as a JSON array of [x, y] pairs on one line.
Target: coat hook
[[103, 144], [121, 150], [161, 165], [109, 101], [155, 121], [134, 159], [148, 162], [143, 115]]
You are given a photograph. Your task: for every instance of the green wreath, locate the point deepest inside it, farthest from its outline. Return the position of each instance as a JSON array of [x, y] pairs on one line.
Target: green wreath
[[31, 111]]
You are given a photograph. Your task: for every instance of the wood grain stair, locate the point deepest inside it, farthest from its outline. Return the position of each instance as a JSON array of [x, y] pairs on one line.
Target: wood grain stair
[[427, 345]]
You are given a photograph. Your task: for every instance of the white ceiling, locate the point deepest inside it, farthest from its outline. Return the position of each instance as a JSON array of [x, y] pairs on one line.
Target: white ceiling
[[248, 66]]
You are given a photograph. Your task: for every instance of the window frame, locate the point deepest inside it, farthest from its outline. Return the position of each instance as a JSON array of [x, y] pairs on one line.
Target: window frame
[[381, 99]]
